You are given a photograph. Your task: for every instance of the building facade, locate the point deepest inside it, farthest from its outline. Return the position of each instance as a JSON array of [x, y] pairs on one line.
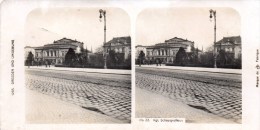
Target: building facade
[[119, 45], [55, 52], [166, 52], [231, 45]]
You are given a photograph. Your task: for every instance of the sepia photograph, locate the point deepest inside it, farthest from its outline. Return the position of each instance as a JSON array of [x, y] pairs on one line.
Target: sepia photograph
[[129, 65], [188, 64], [78, 66]]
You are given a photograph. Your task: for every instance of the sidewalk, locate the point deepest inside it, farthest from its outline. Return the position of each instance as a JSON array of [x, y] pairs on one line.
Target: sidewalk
[[152, 105], [44, 109], [200, 69], [89, 70]]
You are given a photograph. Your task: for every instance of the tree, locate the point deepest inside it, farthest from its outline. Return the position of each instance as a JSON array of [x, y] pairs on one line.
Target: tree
[[222, 58], [141, 57], [29, 59], [96, 60], [112, 58], [85, 57], [207, 59], [128, 60], [70, 57], [181, 57], [99, 50], [210, 49]]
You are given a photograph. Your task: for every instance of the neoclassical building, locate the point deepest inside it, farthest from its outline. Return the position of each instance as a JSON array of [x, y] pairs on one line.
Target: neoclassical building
[[167, 51], [56, 51], [231, 45], [119, 45]]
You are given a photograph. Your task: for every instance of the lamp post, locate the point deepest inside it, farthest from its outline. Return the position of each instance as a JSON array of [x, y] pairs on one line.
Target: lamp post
[[103, 14], [213, 14]]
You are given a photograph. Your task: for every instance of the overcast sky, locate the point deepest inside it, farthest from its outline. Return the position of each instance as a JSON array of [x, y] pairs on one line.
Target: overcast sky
[[159, 24], [43, 26], [154, 25]]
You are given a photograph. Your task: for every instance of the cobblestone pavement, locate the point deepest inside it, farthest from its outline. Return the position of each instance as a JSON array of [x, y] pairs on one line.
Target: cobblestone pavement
[[108, 94], [218, 94]]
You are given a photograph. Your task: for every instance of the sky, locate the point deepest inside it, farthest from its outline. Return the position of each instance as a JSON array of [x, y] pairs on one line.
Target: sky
[[155, 25], [43, 26]]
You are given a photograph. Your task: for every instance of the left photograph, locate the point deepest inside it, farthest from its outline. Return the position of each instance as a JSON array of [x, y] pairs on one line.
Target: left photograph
[[77, 65]]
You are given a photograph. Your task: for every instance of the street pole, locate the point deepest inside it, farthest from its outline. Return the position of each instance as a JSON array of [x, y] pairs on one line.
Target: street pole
[[213, 12], [103, 13]]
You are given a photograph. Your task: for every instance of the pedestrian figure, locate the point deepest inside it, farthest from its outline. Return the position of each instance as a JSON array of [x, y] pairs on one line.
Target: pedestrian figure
[[49, 63], [156, 62], [160, 62], [46, 63]]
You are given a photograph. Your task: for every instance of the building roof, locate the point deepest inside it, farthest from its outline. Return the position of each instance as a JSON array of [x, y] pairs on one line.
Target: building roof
[[232, 40], [29, 47], [63, 43], [179, 43], [121, 40], [140, 46], [177, 38], [60, 46], [166, 45], [66, 40]]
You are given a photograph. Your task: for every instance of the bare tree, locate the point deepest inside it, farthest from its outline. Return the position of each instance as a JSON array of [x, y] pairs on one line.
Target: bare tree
[[99, 50]]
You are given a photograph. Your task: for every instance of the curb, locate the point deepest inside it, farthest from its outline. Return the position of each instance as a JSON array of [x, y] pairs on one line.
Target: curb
[[193, 70], [80, 71]]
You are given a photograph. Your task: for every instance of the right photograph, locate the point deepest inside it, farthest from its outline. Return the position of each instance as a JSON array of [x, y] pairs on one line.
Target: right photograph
[[188, 64]]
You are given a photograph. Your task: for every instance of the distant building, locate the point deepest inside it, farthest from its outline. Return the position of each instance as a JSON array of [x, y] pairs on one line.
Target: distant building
[[166, 52], [56, 51], [138, 49], [119, 45], [231, 45]]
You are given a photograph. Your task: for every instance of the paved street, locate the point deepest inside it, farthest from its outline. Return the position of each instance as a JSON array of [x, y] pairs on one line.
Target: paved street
[[107, 94], [216, 93]]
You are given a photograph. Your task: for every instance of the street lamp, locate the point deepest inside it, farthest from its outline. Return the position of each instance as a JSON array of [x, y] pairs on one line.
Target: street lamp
[[213, 14], [103, 13]]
